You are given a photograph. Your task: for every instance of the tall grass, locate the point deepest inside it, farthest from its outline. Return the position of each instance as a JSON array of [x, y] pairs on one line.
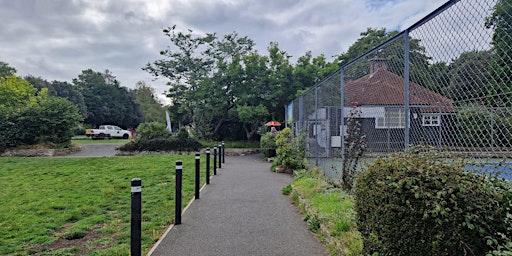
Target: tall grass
[[69, 206]]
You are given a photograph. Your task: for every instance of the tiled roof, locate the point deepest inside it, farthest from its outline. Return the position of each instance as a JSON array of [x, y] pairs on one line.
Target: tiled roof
[[386, 88]]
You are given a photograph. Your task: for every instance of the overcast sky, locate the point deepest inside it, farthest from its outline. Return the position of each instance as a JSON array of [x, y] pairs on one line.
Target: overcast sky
[[57, 39]]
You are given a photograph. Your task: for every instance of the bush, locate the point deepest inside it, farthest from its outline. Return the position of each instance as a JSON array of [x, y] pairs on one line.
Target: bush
[[153, 130], [163, 144], [414, 204], [49, 122], [290, 151], [268, 144]]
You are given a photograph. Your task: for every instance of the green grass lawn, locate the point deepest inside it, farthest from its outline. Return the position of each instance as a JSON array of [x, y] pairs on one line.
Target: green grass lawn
[[331, 207], [85, 140], [81, 206]]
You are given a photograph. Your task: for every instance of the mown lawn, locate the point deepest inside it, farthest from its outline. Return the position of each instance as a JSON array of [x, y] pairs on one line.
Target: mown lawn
[[81, 206]]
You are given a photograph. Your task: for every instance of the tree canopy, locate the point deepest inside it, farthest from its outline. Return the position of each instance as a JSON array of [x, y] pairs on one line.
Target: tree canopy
[[220, 83]]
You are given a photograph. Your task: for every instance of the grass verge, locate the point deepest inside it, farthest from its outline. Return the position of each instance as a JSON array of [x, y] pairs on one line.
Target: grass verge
[[81, 206], [328, 211], [86, 140]]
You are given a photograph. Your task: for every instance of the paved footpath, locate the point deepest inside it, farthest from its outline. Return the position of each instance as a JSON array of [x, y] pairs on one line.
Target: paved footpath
[[242, 212]]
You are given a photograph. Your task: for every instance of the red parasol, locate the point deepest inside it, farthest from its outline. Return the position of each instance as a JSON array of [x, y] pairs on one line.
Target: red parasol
[[273, 123]]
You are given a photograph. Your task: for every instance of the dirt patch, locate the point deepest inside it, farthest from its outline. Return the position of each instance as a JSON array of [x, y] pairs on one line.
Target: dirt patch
[[79, 245]]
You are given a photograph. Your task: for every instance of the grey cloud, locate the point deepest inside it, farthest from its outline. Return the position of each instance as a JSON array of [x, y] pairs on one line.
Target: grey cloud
[[55, 40]]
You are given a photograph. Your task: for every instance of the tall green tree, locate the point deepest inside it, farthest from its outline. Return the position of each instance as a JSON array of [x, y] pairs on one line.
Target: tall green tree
[[60, 89], [15, 92], [106, 101], [6, 70], [202, 72], [499, 90], [185, 67], [255, 93], [369, 39], [151, 109], [467, 75]]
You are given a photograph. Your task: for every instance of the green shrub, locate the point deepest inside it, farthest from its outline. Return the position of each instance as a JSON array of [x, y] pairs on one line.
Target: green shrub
[[290, 151], [49, 122], [153, 130], [268, 144], [414, 204], [163, 144]]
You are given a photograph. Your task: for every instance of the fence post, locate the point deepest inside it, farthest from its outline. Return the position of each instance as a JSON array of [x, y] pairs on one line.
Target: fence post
[[407, 106], [198, 175], [223, 153], [177, 205], [220, 156], [208, 166], [214, 160], [136, 216]]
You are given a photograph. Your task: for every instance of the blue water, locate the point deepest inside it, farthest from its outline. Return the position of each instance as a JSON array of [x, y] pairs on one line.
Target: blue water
[[501, 169]]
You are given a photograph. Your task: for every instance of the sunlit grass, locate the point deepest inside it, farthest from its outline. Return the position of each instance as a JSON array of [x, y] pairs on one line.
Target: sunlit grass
[[44, 199]]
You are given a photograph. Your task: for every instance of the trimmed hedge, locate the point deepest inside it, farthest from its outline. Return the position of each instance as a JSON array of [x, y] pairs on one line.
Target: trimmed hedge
[[414, 204]]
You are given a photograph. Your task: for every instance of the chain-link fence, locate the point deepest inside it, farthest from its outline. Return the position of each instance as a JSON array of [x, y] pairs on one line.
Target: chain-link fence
[[445, 82]]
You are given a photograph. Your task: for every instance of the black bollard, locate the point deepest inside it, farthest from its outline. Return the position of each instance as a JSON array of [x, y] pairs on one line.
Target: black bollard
[[198, 175], [177, 206], [214, 160], [223, 153], [220, 155], [136, 224], [208, 166]]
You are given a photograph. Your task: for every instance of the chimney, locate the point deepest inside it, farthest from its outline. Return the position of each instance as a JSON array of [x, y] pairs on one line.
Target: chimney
[[378, 63]]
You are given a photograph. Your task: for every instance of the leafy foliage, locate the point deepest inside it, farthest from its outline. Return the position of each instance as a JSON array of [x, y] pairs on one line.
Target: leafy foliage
[[290, 151], [6, 70], [107, 102], [220, 84], [29, 119], [155, 137], [355, 146], [15, 92], [163, 144], [152, 130], [501, 22], [151, 109], [414, 204], [268, 144]]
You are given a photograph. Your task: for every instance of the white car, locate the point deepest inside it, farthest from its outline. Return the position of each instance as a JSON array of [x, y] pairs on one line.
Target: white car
[[108, 131]]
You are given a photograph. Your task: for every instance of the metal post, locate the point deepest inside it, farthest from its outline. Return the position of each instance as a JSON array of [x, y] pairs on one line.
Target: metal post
[[214, 160], [208, 166], [220, 156], [136, 223], [198, 175], [407, 94], [316, 126], [177, 205], [342, 129], [223, 153]]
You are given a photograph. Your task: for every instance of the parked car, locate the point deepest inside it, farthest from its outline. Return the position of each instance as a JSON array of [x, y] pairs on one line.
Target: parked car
[[107, 132]]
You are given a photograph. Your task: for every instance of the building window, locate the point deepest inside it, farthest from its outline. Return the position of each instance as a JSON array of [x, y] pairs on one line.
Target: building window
[[431, 120], [393, 118]]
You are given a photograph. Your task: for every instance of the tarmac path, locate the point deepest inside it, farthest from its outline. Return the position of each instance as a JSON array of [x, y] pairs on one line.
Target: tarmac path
[[242, 212]]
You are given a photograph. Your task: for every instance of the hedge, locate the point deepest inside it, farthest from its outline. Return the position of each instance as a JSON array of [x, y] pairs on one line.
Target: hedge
[[414, 204]]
